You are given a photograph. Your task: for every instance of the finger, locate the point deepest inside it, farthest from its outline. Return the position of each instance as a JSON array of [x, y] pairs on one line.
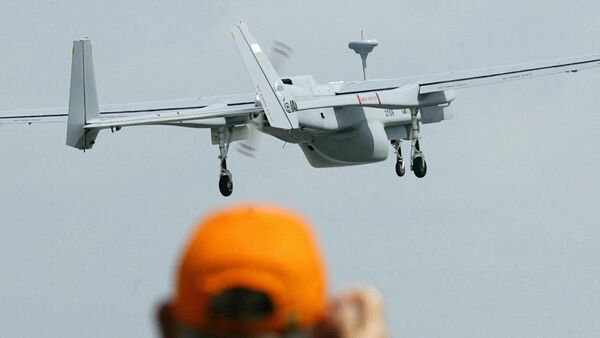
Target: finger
[[328, 327], [348, 318], [371, 302], [370, 318]]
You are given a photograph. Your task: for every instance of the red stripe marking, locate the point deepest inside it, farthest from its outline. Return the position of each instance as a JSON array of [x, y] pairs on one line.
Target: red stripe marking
[[359, 101], [378, 99]]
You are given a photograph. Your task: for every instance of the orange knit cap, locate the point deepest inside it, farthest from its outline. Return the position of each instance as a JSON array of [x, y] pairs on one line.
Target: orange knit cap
[[262, 248]]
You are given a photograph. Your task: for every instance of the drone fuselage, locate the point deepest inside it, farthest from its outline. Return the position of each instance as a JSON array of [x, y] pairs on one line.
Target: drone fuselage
[[350, 135]]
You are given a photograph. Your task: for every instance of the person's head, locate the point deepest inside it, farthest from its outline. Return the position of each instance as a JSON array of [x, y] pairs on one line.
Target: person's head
[[248, 271]]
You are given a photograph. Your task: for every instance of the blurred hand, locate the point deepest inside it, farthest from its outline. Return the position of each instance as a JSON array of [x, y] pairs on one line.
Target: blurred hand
[[356, 313]]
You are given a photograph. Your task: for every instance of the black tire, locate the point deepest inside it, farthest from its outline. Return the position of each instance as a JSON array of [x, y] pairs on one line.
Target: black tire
[[400, 169], [225, 185], [419, 167]]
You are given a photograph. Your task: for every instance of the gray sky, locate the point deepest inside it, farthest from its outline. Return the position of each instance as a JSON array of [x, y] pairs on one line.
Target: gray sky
[[499, 240]]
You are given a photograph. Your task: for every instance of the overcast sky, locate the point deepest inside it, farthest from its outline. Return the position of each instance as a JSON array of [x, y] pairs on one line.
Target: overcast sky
[[501, 239]]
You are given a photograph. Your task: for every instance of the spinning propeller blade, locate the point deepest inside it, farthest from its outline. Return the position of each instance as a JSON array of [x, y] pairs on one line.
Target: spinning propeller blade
[[280, 55], [249, 147]]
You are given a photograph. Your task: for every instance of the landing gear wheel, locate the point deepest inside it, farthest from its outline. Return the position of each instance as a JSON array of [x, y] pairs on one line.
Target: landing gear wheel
[[225, 181], [225, 185], [400, 169], [419, 167]]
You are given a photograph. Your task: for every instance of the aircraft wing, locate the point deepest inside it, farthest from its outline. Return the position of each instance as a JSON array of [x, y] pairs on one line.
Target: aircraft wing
[[223, 112], [477, 77], [167, 111], [44, 115]]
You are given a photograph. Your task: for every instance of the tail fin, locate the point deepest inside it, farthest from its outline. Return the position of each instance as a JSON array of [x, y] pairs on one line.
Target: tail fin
[[83, 100], [276, 101]]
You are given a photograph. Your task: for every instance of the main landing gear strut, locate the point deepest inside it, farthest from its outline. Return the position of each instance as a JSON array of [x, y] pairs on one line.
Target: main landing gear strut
[[417, 158], [225, 177]]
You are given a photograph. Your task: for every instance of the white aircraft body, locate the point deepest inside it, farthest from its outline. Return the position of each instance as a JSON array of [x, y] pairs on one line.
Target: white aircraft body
[[335, 124]]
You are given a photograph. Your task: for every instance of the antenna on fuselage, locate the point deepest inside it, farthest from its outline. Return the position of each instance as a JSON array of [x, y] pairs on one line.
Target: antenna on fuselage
[[363, 48]]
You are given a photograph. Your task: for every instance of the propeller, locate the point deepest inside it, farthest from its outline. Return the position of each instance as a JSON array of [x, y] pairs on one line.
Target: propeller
[[280, 54], [249, 146]]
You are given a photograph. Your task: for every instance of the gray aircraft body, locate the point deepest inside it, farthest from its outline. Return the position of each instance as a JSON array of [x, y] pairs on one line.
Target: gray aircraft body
[[335, 124]]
